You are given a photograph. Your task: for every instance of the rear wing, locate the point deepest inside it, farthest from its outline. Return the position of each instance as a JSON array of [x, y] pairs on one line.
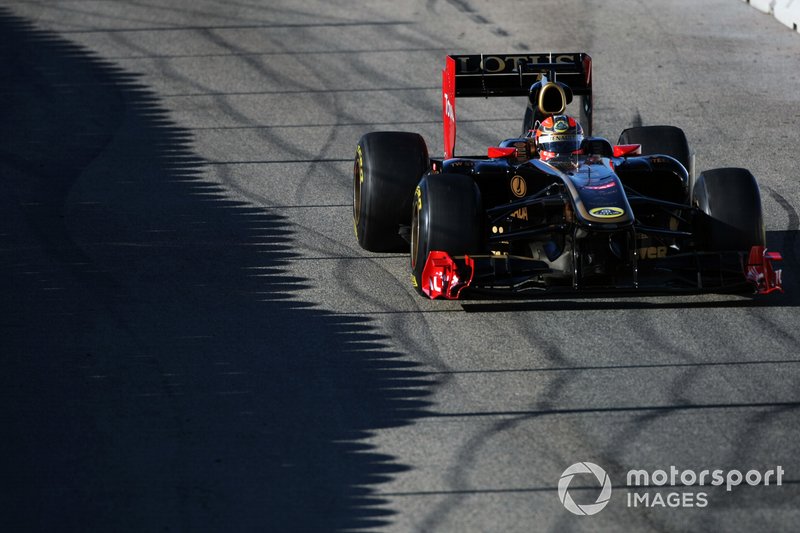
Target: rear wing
[[491, 75]]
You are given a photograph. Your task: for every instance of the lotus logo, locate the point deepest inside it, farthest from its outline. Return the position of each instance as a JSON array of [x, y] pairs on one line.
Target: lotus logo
[[587, 509], [607, 212]]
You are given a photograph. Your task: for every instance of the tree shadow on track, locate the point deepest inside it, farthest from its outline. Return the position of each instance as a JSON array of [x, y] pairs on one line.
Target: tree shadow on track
[[160, 369]]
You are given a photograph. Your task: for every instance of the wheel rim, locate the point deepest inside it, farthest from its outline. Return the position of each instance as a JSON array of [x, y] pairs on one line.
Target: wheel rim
[[415, 222], [357, 192]]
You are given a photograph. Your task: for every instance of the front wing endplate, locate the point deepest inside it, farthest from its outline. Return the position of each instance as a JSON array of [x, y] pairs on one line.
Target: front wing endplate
[[759, 270], [444, 277]]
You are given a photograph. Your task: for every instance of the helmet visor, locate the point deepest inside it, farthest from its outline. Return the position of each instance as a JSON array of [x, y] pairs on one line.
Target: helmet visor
[[560, 144]]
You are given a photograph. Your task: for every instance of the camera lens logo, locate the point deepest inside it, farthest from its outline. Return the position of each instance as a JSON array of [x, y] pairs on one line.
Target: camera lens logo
[[586, 509]]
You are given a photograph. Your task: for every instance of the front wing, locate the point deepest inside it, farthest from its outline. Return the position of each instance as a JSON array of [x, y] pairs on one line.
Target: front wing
[[448, 277]]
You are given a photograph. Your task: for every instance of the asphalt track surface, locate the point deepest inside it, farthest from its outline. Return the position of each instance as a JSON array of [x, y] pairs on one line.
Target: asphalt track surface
[[192, 340]]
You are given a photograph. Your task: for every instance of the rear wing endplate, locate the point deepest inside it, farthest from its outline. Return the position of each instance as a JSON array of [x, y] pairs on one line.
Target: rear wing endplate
[[491, 75]]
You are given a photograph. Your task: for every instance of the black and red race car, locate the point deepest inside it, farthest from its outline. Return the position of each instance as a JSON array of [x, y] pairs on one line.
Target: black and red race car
[[612, 217]]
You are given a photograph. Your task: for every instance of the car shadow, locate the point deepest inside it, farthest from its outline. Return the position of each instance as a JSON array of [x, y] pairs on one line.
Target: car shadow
[[161, 367]]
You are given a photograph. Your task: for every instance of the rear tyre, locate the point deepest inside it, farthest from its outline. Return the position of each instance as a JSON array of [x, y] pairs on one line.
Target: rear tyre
[[527, 121], [666, 140], [731, 201], [447, 216], [388, 165]]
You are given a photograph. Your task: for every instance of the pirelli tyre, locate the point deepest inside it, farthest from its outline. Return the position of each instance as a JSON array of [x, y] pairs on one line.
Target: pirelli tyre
[[388, 165], [666, 140], [731, 202], [447, 216], [527, 122]]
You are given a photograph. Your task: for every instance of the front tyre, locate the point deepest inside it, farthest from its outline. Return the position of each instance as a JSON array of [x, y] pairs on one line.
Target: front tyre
[[448, 216], [731, 202]]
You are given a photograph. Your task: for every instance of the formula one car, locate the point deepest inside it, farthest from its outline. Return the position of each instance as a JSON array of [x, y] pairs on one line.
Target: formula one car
[[522, 218]]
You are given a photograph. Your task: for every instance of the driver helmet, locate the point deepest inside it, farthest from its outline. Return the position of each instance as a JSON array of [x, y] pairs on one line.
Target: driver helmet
[[558, 136]]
